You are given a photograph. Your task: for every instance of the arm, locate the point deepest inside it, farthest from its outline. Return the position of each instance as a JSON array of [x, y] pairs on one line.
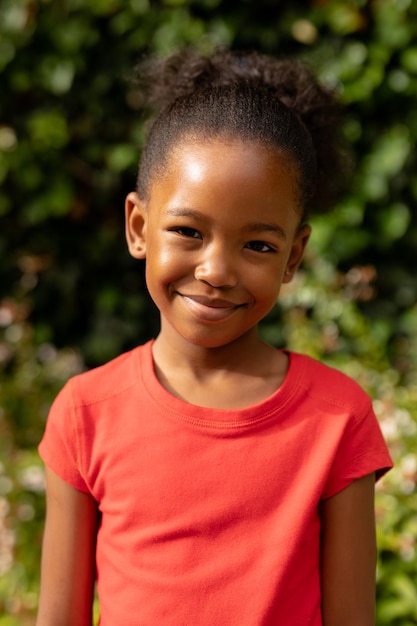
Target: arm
[[68, 555], [348, 555]]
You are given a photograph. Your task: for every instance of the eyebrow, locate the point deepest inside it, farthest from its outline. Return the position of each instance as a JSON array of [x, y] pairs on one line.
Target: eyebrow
[[256, 227], [186, 213], [260, 227]]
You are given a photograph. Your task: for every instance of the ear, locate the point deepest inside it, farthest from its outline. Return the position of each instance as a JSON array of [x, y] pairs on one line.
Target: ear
[[297, 252], [135, 225]]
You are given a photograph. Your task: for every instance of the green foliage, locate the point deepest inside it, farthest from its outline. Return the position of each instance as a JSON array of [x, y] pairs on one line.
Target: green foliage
[[70, 137]]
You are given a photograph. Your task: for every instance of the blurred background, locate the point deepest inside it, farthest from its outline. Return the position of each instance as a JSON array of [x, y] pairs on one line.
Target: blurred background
[[70, 296]]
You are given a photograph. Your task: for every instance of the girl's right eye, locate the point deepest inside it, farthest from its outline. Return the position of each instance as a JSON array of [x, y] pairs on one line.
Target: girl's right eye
[[186, 231]]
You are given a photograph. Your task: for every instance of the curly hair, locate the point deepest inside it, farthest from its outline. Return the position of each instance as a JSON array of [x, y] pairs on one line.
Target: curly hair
[[249, 96]]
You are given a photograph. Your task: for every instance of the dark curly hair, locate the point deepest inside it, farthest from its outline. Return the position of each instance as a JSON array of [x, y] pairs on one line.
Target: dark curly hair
[[250, 96]]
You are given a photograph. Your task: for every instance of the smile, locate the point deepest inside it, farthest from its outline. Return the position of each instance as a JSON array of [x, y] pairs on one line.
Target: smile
[[210, 309]]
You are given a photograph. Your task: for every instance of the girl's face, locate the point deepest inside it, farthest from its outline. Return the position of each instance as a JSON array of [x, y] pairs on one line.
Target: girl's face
[[220, 234]]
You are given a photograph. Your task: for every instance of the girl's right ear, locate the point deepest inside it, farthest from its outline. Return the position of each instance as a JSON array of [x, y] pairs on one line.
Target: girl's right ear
[[135, 225]]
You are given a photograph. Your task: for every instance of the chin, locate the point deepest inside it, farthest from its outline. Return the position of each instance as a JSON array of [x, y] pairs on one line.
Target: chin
[[209, 340]]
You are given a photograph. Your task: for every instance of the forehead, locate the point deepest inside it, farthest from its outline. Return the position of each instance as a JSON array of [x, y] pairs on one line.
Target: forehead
[[243, 179], [231, 166]]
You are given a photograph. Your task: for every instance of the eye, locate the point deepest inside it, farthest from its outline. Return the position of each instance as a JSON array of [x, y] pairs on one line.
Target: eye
[[186, 231], [259, 246]]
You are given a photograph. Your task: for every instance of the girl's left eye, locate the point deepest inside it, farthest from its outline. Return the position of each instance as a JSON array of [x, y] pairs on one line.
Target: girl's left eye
[[259, 246]]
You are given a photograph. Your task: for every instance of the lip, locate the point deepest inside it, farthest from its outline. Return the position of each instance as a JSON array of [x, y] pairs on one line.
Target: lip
[[209, 309]]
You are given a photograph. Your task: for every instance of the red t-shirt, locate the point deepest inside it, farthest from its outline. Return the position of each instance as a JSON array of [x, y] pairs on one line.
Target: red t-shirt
[[210, 516]]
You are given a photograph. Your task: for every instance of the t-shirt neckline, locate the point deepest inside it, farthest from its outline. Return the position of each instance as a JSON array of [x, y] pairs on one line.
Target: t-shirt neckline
[[220, 418]]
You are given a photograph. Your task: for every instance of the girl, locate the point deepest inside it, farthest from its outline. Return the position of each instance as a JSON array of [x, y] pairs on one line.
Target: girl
[[206, 477]]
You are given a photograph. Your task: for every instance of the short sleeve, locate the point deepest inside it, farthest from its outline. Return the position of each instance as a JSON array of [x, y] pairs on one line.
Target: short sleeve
[[59, 447], [362, 450]]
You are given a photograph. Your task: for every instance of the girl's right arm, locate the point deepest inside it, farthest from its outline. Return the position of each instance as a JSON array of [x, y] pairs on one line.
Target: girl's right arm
[[68, 556]]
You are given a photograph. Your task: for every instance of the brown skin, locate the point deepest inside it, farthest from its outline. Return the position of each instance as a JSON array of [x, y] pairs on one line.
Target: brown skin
[[220, 233], [348, 551], [68, 556]]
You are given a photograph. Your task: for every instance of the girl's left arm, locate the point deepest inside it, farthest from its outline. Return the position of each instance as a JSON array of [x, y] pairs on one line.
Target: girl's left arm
[[348, 555]]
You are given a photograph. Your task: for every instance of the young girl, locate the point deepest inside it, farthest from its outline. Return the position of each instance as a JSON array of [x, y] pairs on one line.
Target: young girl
[[206, 478]]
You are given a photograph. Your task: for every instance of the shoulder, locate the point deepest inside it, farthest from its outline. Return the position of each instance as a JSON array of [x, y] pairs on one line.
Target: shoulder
[[328, 385], [107, 381]]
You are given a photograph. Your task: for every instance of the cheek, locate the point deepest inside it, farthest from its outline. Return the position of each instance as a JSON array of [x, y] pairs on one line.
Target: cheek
[[163, 265], [267, 280], [169, 260]]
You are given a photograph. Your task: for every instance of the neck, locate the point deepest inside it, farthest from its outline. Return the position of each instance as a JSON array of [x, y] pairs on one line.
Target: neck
[[247, 354], [237, 375]]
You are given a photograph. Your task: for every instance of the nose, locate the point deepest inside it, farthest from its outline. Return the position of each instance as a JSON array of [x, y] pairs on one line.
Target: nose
[[217, 267]]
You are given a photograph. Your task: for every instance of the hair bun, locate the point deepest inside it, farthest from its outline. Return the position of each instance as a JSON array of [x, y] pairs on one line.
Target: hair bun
[[164, 81]]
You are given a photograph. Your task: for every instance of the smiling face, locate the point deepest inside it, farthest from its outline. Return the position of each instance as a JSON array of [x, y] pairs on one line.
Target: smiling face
[[220, 233]]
